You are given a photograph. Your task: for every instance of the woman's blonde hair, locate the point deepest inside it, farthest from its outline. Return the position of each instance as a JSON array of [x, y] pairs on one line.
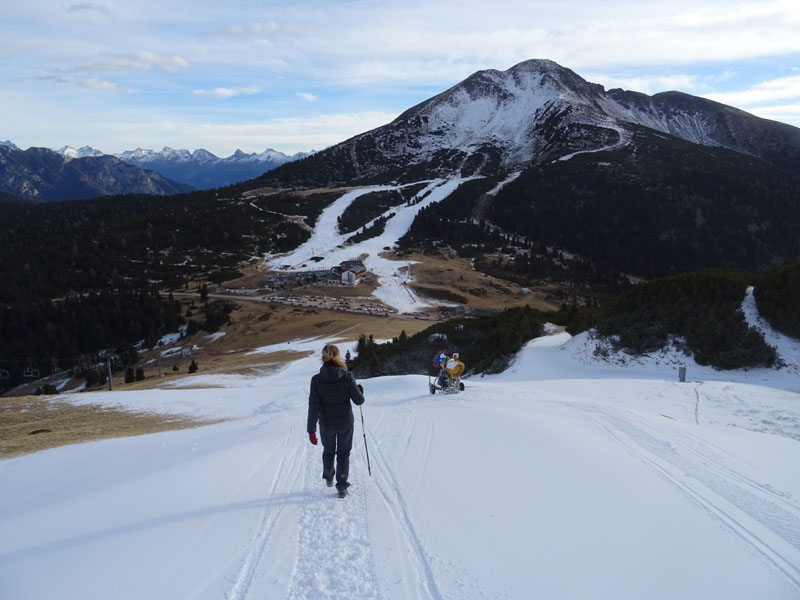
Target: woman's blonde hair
[[331, 353]]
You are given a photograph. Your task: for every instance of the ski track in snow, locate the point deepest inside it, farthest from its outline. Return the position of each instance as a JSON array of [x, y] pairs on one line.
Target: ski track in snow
[[393, 497], [744, 506], [285, 478]]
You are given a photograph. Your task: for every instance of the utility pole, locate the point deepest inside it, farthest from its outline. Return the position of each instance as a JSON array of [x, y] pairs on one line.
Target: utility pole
[[108, 370], [107, 355]]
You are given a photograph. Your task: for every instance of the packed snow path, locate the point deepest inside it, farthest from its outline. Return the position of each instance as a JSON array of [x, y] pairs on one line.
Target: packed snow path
[[624, 139], [528, 484]]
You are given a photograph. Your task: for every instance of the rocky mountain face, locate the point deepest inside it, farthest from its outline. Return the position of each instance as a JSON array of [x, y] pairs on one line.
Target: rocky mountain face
[[204, 170], [537, 111], [45, 175], [623, 182]]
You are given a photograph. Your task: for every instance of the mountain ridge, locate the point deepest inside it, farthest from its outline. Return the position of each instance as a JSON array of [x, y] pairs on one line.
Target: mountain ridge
[[524, 115], [200, 169], [45, 175]]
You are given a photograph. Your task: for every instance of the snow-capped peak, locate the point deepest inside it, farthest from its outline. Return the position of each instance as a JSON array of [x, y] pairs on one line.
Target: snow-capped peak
[[138, 155], [69, 152], [177, 155], [204, 155]]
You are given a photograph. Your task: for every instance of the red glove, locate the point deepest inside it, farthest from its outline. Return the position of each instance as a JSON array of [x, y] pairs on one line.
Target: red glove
[[312, 437]]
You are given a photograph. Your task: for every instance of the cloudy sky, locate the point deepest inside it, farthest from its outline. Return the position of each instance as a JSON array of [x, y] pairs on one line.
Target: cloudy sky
[[304, 74]]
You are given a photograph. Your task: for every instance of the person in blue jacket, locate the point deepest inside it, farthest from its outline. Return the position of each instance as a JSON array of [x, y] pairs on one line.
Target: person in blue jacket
[[329, 402]]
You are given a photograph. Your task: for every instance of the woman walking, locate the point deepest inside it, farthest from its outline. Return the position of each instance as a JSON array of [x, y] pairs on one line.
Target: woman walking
[[332, 389]]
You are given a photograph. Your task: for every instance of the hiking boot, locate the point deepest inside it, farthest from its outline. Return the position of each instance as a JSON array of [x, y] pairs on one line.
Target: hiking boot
[[342, 492], [329, 482]]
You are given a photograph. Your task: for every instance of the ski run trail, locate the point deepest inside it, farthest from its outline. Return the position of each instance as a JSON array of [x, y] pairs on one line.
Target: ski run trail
[[555, 479], [565, 477]]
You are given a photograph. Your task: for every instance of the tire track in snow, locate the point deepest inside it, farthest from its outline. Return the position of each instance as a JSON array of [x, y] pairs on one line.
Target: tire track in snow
[[288, 470], [390, 491], [706, 456], [333, 557], [743, 511]]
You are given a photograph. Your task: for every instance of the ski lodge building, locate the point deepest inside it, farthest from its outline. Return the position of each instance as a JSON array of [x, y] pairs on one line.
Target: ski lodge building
[[350, 272]]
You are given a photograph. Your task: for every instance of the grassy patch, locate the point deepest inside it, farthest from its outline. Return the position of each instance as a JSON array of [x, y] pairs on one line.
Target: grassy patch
[[33, 423]]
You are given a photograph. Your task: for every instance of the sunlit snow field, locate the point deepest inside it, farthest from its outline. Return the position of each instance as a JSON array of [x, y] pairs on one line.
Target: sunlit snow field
[[555, 479]]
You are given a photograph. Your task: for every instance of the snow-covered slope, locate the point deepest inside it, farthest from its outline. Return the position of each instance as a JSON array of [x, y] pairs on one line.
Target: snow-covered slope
[[326, 242], [495, 122], [537, 483], [521, 110]]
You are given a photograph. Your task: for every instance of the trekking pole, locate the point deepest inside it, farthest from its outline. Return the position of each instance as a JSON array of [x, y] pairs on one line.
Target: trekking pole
[[364, 431]]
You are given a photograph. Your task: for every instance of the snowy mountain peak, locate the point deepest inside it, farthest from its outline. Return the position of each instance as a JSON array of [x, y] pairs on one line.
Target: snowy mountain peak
[[177, 155], [9, 144], [69, 152], [203, 155], [137, 156], [537, 111]]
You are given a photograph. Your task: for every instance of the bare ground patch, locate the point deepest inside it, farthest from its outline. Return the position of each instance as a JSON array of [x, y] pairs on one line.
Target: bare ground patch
[[447, 274], [257, 324], [34, 423]]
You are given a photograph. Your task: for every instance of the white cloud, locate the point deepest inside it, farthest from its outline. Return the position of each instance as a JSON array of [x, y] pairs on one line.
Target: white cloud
[[88, 7], [783, 88], [265, 31], [787, 113], [291, 134], [307, 97], [142, 60], [98, 85], [221, 92], [647, 84], [253, 30], [294, 134]]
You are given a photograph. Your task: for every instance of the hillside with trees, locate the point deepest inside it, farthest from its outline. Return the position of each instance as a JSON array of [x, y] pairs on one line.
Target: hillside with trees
[[703, 309], [485, 344], [658, 206]]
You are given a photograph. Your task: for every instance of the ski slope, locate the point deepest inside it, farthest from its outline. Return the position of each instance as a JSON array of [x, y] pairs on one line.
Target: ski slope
[[555, 479], [393, 275]]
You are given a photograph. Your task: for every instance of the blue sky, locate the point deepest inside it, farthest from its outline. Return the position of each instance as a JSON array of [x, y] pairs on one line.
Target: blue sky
[[302, 75]]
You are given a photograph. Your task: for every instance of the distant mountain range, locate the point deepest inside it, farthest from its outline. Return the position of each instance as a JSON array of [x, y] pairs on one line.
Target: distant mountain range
[[204, 170], [35, 175], [40, 174]]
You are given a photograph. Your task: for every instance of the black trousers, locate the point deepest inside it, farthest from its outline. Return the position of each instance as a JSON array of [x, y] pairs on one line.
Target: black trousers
[[336, 443]]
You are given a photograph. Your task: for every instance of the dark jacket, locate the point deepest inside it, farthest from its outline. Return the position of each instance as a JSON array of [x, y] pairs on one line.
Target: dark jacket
[[329, 400]]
